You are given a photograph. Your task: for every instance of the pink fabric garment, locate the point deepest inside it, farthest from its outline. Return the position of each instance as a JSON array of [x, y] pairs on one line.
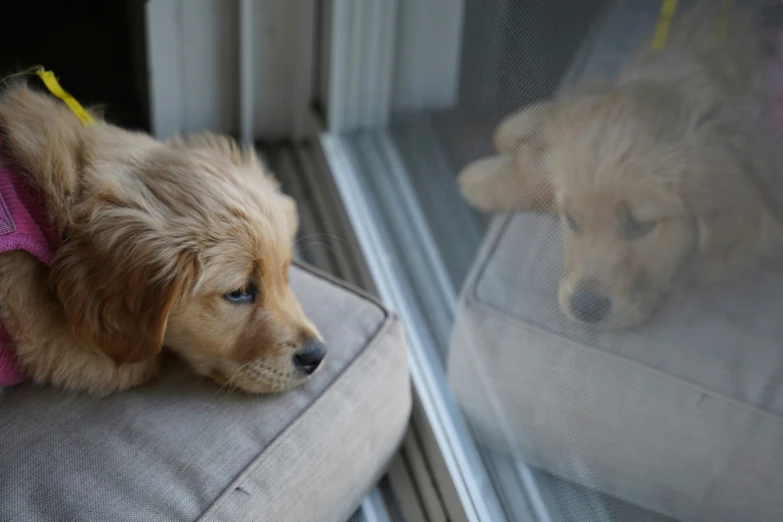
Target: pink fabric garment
[[24, 225]]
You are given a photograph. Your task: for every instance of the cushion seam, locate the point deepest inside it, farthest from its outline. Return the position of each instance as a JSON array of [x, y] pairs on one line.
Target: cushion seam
[[649, 369], [385, 326], [325, 276], [474, 299]]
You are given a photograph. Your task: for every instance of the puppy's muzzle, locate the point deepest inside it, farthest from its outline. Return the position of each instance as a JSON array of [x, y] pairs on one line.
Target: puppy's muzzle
[[588, 305], [310, 356]]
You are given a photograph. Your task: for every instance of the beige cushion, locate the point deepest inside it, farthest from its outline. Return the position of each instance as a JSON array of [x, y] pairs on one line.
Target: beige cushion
[[681, 416], [178, 449]]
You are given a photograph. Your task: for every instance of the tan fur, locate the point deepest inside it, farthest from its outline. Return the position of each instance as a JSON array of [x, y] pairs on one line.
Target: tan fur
[[677, 144], [155, 235]]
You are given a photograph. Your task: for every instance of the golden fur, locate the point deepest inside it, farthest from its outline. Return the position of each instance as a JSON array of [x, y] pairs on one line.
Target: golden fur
[[661, 175], [155, 235]]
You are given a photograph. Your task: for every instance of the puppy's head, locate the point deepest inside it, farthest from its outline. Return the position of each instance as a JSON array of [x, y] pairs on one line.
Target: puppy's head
[[185, 244], [646, 190], [242, 325]]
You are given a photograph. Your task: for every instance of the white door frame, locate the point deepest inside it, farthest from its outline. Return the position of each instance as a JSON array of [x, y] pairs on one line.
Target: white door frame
[[249, 67]]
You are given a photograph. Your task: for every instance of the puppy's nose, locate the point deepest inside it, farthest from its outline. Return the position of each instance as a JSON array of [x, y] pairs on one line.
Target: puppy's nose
[[310, 356], [588, 305]]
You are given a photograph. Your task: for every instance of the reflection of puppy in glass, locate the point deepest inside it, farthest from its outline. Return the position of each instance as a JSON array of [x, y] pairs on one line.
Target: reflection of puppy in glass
[[655, 176]]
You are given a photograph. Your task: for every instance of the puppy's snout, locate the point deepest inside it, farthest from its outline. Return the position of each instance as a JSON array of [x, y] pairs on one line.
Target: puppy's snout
[[589, 305], [309, 357]]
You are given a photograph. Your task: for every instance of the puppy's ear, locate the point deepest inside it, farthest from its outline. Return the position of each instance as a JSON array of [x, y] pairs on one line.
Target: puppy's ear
[[521, 126], [736, 226], [117, 282], [507, 183]]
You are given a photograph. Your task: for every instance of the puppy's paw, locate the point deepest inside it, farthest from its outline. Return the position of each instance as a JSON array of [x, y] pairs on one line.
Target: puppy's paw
[[521, 126], [484, 182]]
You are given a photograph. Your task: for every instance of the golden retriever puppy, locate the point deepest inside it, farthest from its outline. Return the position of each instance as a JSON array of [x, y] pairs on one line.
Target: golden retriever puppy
[[660, 175], [184, 244]]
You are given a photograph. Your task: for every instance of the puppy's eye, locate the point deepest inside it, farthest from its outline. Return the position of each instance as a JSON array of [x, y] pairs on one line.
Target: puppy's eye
[[573, 224], [244, 295], [635, 229]]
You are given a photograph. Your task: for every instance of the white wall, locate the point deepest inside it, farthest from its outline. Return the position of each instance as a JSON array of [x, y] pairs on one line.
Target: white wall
[[399, 55], [429, 44], [193, 57]]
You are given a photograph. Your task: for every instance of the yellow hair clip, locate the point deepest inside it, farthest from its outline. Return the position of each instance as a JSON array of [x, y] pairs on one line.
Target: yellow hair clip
[[50, 80], [668, 8], [51, 83]]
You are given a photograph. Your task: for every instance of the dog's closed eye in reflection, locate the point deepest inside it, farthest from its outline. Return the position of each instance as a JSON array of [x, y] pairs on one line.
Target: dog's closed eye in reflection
[[658, 176], [183, 243]]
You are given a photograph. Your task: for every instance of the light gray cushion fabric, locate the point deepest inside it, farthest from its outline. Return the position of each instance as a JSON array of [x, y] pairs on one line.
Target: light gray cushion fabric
[[178, 449], [681, 415]]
